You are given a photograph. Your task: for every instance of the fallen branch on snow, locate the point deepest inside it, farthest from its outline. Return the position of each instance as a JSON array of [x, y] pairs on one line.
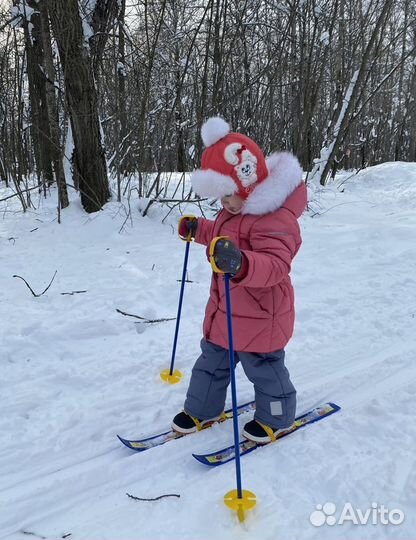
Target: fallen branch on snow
[[153, 499], [143, 319], [30, 533], [30, 288]]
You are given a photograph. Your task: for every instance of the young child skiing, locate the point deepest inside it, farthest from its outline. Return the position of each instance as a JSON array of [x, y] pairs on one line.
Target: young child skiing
[[262, 200]]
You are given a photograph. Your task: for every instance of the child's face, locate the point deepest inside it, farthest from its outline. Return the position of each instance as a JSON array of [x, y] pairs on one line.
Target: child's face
[[232, 203]]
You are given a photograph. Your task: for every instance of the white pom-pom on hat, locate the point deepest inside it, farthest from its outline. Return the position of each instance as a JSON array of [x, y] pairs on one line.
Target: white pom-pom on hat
[[213, 130]]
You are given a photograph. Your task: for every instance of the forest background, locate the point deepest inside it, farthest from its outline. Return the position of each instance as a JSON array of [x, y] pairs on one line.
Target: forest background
[[99, 89]]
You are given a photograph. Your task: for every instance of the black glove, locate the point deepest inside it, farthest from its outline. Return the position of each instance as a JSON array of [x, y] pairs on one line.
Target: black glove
[[187, 227], [227, 256]]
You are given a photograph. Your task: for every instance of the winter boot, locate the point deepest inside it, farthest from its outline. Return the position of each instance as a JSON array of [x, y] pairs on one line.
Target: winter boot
[[260, 433], [185, 423]]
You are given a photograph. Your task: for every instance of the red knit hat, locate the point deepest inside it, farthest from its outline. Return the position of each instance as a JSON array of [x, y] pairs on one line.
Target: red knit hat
[[231, 163]]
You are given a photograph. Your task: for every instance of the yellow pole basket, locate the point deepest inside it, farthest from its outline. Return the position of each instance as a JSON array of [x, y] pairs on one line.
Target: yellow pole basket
[[242, 504], [171, 378]]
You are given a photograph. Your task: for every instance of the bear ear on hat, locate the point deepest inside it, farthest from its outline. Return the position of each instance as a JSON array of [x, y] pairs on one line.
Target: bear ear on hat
[[213, 130]]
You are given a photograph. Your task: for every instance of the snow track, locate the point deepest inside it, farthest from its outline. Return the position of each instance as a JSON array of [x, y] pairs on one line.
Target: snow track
[[74, 373]]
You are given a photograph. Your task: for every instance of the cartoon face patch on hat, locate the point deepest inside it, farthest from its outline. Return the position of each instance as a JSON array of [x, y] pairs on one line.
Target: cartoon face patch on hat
[[245, 163], [232, 163]]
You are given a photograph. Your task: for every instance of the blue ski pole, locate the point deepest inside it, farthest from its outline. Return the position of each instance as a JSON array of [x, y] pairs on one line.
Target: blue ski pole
[[238, 499], [168, 375]]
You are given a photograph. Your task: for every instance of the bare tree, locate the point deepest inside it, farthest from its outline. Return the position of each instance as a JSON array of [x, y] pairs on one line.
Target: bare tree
[[81, 94], [328, 78], [324, 163]]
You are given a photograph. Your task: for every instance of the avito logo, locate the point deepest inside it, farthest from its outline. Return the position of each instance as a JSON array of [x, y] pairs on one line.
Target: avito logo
[[326, 514]]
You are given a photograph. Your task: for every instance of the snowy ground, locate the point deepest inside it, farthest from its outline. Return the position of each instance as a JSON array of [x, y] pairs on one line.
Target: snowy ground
[[74, 373]]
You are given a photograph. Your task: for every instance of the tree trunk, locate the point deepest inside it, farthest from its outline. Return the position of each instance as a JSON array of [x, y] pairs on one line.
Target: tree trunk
[[103, 17], [121, 71], [52, 107], [40, 129], [82, 102]]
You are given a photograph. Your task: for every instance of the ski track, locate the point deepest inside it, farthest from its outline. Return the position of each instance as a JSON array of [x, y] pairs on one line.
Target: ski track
[[75, 373]]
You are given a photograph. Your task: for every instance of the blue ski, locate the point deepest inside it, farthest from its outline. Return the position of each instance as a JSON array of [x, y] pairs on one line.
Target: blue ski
[[140, 445], [228, 454]]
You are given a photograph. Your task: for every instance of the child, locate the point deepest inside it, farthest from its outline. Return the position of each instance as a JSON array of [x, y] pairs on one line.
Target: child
[[262, 201]]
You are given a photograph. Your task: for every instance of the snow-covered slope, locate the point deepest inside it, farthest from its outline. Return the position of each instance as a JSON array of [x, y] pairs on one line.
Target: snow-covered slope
[[74, 373]]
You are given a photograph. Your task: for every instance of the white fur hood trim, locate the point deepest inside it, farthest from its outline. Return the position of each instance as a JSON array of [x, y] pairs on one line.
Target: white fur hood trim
[[285, 175], [209, 183]]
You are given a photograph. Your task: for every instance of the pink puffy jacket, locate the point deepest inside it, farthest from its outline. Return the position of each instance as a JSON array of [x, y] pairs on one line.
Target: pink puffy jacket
[[268, 234]]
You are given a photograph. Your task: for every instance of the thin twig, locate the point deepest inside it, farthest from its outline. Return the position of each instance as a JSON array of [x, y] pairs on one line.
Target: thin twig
[[73, 292], [143, 319], [30, 533], [186, 200], [18, 194], [30, 288], [152, 499], [18, 16], [128, 215], [187, 280], [129, 314], [151, 321]]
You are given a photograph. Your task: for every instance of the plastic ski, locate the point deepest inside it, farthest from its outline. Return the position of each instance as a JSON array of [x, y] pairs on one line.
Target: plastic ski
[[141, 445], [227, 454]]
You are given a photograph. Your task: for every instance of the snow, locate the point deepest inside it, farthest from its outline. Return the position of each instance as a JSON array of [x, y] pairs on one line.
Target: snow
[[74, 373], [19, 12], [21, 9], [69, 150], [88, 33], [89, 5], [87, 11], [191, 151], [121, 69], [324, 37]]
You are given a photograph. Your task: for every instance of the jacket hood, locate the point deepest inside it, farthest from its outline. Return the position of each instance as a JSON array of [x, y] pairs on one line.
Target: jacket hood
[[285, 175]]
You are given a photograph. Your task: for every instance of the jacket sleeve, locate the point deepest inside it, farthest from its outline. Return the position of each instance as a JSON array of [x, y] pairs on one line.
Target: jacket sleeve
[[273, 247], [204, 231]]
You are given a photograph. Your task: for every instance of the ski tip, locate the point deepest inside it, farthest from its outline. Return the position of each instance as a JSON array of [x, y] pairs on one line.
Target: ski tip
[[334, 406], [124, 441], [199, 458], [132, 445]]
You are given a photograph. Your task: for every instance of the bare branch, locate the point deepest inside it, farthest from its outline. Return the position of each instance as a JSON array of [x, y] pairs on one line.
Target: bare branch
[[152, 499], [30, 288]]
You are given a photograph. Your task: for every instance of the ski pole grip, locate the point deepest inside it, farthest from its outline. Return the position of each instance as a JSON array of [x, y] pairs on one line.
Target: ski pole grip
[[189, 236], [212, 251]]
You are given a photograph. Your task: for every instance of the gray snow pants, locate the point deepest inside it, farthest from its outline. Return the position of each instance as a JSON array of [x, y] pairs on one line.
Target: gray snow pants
[[275, 395]]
